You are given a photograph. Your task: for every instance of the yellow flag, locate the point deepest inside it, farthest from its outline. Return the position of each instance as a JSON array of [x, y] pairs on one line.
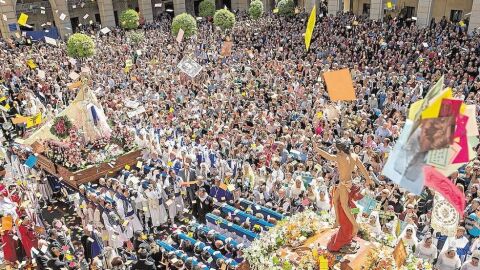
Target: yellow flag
[[38, 119], [22, 20], [414, 108], [34, 120], [323, 263], [397, 228], [275, 10], [433, 109], [389, 5], [31, 64], [128, 65], [461, 23], [310, 26]]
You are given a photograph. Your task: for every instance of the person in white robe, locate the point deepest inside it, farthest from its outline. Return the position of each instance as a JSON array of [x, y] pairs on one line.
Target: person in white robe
[[409, 236], [44, 188], [448, 260], [323, 201], [127, 213], [297, 188], [152, 197], [175, 192], [81, 206], [473, 262], [373, 223], [113, 226], [426, 249], [157, 212], [203, 170], [141, 204], [7, 207], [460, 241]]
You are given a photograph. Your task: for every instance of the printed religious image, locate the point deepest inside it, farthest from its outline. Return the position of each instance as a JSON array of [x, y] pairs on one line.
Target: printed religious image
[[436, 133]]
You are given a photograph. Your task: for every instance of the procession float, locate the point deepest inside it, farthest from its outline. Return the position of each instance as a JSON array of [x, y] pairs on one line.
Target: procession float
[[78, 145], [300, 242]]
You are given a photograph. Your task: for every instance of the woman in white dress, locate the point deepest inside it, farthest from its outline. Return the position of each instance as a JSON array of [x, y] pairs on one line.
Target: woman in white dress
[[409, 236], [426, 249], [373, 223], [323, 201], [448, 260], [297, 188]]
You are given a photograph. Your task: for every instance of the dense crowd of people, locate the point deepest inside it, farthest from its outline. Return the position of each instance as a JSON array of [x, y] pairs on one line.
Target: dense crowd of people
[[244, 127]]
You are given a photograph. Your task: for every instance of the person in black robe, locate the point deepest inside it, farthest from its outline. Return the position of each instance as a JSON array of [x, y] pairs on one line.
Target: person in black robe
[[91, 244], [202, 205]]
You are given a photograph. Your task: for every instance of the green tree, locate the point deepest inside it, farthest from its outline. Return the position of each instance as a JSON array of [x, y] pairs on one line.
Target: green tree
[[186, 22], [129, 19], [256, 9], [80, 46], [286, 8], [206, 8], [135, 37], [224, 19]]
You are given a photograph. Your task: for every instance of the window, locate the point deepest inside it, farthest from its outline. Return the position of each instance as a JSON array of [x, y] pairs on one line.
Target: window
[[409, 12], [115, 14], [456, 15], [98, 19], [366, 9], [74, 21]]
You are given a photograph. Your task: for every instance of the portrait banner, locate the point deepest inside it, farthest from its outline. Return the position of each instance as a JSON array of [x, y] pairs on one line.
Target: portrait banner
[[189, 67]]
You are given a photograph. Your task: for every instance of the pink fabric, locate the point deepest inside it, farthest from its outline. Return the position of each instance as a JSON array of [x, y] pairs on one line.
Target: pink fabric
[[461, 134], [450, 107], [444, 186]]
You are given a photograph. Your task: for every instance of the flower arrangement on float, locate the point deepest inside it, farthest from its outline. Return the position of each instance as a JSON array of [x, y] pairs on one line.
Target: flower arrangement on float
[[414, 263], [271, 249], [382, 259], [75, 153], [61, 127]]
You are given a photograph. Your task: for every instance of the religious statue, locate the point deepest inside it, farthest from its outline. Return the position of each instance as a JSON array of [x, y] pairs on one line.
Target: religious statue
[[344, 194]]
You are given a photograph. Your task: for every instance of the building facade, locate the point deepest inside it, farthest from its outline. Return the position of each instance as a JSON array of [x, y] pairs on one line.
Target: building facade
[[68, 15], [423, 11]]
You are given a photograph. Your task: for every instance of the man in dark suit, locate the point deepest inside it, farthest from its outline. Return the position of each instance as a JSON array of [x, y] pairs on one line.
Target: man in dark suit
[[188, 175], [143, 263], [202, 205]]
